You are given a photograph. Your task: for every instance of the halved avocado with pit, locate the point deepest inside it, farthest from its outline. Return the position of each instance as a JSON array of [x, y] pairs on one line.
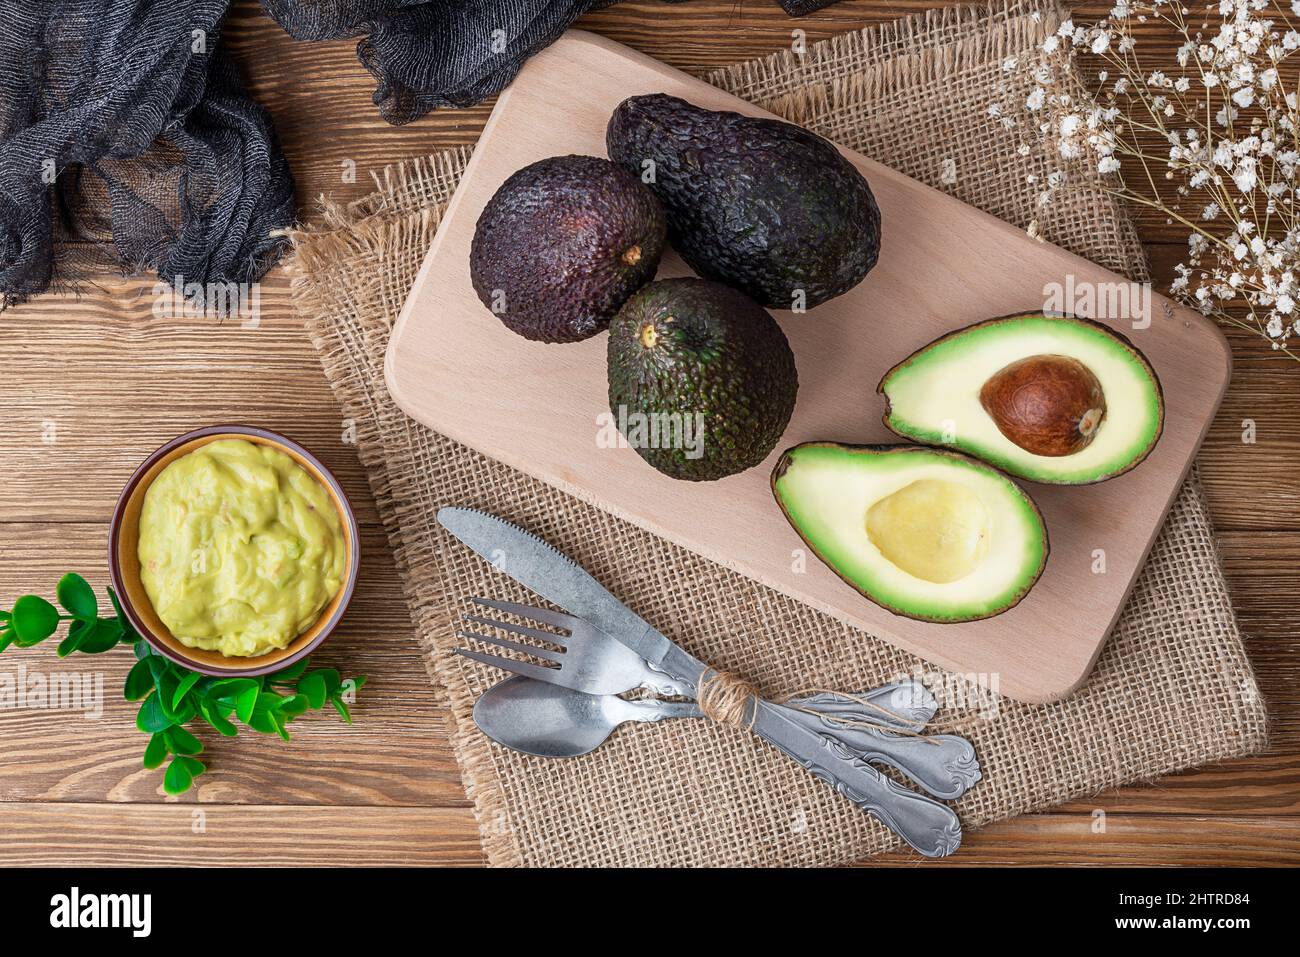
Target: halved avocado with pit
[[1053, 399], [926, 533]]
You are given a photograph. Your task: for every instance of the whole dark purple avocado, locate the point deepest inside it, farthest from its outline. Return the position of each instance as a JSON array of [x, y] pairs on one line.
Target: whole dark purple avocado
[[761, 205], [562, 244]]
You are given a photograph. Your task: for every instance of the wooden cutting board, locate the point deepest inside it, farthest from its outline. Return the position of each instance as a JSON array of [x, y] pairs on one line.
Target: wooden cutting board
[[453, 366]]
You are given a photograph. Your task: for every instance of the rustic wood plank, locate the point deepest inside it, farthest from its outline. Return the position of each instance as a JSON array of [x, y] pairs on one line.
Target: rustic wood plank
[[93, 385], [1163, 840], [104, 835], [99, 835]]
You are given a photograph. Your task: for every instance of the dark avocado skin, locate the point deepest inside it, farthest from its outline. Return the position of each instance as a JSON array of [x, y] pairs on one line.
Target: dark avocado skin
[[715, 351], [553, 240], [764, 206]]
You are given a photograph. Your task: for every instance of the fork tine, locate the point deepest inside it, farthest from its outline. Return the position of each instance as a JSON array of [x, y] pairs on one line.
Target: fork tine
[[556, 619], [508, 664], [546, 654], [536, 633]]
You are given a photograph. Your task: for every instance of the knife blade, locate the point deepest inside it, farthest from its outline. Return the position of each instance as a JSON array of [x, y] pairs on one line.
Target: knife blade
[[550, 573]]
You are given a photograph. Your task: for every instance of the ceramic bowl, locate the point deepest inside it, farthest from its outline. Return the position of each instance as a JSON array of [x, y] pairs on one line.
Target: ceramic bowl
[[124, 563]]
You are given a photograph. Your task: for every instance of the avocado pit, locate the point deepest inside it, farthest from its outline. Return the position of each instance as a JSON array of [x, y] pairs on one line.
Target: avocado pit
[[1046, 404]]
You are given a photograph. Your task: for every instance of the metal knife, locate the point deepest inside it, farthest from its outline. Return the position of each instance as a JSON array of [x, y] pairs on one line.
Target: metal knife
[[931, 828]]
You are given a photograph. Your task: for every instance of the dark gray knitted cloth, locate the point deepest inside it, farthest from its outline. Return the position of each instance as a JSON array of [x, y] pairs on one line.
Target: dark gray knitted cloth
[[126, 135], [125, 130]]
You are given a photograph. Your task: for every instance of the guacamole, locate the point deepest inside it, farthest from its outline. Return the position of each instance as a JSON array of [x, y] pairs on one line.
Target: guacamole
[[241, 548]]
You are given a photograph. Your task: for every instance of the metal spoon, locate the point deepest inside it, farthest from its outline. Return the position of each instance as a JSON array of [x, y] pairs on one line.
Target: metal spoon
[[551, 721]]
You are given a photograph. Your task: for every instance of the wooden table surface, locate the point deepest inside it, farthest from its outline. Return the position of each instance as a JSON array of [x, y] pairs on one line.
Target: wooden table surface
[[90, 386]]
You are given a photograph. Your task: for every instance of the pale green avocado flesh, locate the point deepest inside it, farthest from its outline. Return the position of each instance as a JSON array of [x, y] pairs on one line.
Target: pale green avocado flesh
[[926, 533], [933, 396]]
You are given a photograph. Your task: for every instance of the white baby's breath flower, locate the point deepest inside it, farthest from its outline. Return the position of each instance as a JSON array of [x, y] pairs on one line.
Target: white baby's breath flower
[[1245, 175], [1232, 157]]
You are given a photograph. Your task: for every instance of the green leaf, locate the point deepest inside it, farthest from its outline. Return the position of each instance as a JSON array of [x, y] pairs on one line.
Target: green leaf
[[246, 703], [7, 637], [182, 742], [155, 751], [178, 778], [151, 718], [77, 632], [5, 616], [290, 674], [186, 683], [127, 628], [159, 667], [341, 707], [312, 687], [75, 595], [142, 649], [211, 712], [332, 680], [194, 766], [35, 619], [102, 636], [267, 717], [139, 682], [186, 712], [294, 705], [231, 687]]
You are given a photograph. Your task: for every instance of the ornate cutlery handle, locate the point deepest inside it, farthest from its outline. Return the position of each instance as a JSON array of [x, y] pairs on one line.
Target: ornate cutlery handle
[[906, 704], [943, 764], [931, 828]]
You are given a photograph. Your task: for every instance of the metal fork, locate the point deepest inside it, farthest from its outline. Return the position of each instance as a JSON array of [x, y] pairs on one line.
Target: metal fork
[[585, 659], [588, 660]]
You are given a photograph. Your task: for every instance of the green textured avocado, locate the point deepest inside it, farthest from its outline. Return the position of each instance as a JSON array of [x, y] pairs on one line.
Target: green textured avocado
[[1051, 399], [562, 244], [926, 533], [762, 205], [702, 381]]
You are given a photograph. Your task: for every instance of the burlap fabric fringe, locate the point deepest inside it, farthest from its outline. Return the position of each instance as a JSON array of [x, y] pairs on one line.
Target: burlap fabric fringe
[[1172, 689]]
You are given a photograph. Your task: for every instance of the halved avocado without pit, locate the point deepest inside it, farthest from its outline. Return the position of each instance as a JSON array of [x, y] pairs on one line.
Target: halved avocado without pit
[[1052, 399], [927, 533]]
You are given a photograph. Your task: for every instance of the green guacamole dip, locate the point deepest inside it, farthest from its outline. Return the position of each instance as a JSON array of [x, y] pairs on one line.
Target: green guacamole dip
[[240, 548]]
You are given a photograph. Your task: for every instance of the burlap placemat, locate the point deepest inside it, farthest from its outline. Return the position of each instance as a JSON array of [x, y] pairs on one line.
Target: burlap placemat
[[1173, 687]]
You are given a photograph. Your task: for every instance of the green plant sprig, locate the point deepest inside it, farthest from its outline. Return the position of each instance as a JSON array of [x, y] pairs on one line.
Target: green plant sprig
[[170, 695]]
